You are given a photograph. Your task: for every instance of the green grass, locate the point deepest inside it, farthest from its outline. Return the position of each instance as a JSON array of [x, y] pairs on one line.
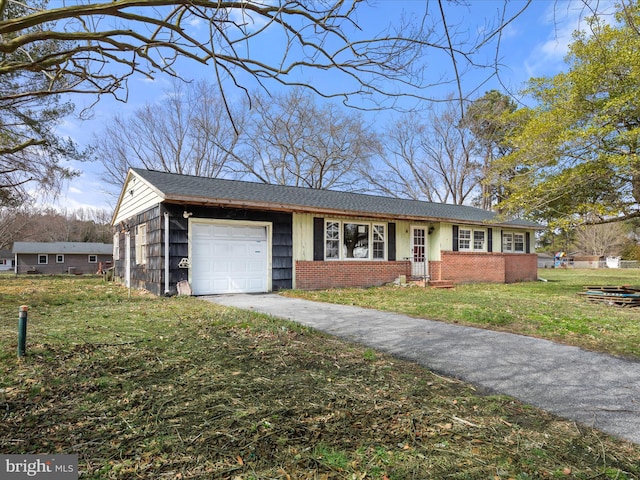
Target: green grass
[[551, 309], [145, 387]]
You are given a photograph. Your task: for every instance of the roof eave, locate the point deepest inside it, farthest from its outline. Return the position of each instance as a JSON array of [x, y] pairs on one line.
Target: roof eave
[[288, 208]]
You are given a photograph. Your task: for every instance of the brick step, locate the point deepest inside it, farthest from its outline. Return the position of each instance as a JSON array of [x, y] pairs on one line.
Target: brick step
[[441, 284]]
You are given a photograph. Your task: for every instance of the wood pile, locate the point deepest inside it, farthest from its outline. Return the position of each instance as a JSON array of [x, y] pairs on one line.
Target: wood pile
[[620, 296]]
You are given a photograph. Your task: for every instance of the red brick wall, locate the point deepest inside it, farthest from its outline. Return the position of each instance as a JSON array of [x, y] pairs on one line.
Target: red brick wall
[[470, 267], [435, 270], [521, 268], [317, 275]]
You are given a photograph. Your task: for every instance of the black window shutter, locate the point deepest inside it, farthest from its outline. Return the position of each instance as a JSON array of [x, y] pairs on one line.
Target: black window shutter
[[527, 240], [455, 238], [490, 240], [391, 242], [318, 239]]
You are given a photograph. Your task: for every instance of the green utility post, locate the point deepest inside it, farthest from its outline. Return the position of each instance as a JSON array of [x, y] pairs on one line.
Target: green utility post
[[22, 331]]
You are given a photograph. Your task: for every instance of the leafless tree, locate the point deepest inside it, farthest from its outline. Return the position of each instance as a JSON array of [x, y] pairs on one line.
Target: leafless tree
[[289, 139], [187, 131], [95, 47], [428, 158], [601, 239], [13, 221], [32, 224]]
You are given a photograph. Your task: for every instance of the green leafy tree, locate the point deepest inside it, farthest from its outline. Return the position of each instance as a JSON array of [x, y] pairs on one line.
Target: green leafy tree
[[489, 120], [576, 154]]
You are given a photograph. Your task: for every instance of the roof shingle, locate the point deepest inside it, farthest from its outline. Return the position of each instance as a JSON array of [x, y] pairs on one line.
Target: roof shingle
[[178, 187]]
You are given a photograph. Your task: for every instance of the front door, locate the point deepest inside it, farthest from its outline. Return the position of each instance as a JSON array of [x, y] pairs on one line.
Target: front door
[[419, 263]]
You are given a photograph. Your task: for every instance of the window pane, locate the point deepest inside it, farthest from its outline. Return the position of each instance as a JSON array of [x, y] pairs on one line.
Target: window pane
[[518, 240], [378, 242], [464, 239], [478, 240], [507, 242], [332, 241], [141, 244], [356, 240]]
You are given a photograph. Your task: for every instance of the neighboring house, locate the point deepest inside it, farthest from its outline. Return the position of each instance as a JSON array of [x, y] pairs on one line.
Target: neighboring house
[[545, 260], [6, 260], [226, 236], [61, 257]]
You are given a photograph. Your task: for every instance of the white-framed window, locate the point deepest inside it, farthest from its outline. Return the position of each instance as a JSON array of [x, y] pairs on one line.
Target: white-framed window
[[464, 239], [141, 244], [332, 241], [116, 246], [472, 240], [513, 242], [59, 258], [354, 240], [379, 238], [43, 259], [93, 258]]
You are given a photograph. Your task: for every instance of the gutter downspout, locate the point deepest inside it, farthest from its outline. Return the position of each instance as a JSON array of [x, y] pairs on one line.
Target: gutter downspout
[[166, 253]]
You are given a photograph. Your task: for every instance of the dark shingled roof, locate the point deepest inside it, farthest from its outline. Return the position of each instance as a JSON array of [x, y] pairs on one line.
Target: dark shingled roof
[[63, 248], [183, 188]]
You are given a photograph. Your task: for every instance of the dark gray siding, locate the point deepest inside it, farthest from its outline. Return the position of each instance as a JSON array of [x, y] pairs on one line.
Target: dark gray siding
[[78, 262], [151, 275]]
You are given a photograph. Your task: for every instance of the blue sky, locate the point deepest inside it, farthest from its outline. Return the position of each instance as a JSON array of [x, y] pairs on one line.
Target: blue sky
[[533, 45]]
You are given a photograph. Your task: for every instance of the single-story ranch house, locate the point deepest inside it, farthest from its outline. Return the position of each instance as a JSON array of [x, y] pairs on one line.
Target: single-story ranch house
[[61, 257], [227, 236], [6, 260]]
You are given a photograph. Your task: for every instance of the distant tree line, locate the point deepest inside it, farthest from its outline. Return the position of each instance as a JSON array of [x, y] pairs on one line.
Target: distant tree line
[[51, 225]]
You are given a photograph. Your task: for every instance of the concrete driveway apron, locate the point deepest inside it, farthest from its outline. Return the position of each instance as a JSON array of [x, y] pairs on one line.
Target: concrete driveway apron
[[594, 389]]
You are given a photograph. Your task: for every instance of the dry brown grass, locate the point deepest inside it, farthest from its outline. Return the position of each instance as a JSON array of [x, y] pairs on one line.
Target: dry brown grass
[[176, 388]]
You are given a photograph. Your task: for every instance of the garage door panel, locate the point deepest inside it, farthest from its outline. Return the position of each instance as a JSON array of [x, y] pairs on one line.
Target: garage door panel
[[229, 259]]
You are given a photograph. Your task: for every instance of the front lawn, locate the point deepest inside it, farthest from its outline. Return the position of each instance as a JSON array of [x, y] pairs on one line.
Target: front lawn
[[550, 309], [145, 387]]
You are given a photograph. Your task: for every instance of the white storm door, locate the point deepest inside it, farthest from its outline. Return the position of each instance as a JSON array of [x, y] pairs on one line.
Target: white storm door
[[419, 264], [229, 258]]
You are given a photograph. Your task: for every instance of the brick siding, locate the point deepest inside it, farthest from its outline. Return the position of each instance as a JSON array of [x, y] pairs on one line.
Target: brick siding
[[521, 268], [318, 275]]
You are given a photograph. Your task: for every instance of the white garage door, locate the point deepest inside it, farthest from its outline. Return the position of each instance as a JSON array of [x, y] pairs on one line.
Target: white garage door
[[228, 259]]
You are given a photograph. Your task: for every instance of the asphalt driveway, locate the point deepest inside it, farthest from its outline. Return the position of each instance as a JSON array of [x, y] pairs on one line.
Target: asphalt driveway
[[594, 389]]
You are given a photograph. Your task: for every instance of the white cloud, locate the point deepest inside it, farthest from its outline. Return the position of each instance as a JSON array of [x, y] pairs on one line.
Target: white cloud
[[560, 20]]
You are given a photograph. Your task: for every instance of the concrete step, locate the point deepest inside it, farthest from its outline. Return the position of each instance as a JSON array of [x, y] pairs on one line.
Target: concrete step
[[441, 284]]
